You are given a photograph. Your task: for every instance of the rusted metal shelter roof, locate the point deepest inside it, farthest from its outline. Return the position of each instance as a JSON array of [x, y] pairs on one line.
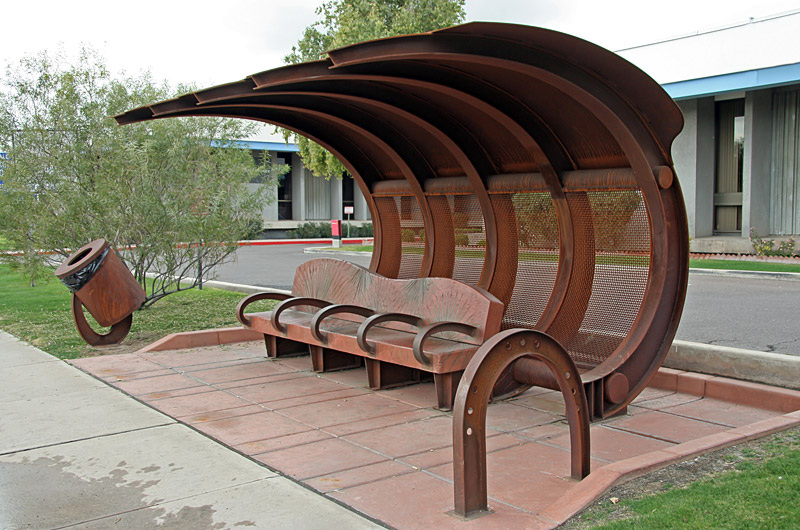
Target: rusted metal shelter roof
[[474, 100]]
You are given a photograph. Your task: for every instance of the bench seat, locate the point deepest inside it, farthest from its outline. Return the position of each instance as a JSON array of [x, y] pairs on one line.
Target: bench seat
[[387, 347]]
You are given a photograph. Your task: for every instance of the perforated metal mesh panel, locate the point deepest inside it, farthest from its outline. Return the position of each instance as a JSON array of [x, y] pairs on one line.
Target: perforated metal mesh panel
[[412, 236], [621, 268], [537, 261], [468, 249]]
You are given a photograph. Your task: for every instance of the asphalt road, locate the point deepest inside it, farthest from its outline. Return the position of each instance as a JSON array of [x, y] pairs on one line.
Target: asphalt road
[[755, 314]]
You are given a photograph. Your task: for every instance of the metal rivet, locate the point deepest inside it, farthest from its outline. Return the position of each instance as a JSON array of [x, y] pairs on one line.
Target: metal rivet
[[469, 410], [535, 343], [573, 390], [567, 375], [469, 431], [522, 342], [508, 345], [474, 389]]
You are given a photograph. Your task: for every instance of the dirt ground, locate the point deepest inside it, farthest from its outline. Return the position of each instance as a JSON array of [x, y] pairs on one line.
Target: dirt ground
[[609, 507], [128, 346]]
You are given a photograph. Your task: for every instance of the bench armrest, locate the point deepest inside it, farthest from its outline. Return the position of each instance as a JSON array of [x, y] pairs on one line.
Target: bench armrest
[[438, 327], [374, 320], [294, 302], [246, 301], [333, 310]]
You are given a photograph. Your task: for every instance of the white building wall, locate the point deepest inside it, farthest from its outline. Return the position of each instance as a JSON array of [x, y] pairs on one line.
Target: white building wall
[[757, 162], [693, 153]]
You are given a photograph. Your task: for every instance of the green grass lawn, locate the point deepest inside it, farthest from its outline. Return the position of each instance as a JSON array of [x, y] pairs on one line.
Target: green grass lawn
[[750, 265], [41, 315], [761, 489]]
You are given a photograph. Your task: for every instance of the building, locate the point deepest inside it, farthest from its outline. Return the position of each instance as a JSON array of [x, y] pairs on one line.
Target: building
[[300, 196], [738, 157]]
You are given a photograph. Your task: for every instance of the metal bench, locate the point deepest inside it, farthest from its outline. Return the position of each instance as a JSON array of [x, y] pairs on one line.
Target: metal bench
[[525, 162], [342, 313]]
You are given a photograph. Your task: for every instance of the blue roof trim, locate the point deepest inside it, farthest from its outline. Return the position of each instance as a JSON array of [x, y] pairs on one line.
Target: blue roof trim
[[752, 79], [264, 146], [271, 146]]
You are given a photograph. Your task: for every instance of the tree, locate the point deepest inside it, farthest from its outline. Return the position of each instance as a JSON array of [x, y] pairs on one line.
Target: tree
[[158, 189], [345, 22]]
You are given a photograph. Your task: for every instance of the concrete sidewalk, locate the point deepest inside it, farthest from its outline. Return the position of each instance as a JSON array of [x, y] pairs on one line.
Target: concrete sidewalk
[[76, 453]]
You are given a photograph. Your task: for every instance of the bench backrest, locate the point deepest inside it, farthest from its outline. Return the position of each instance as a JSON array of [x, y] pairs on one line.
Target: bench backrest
[[432, 299]]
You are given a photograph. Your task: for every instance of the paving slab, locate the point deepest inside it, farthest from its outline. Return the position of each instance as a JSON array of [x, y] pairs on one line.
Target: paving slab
[[104, 476], [37, 380], [14, 353], [38, 422], [77, 453], [269, 503]]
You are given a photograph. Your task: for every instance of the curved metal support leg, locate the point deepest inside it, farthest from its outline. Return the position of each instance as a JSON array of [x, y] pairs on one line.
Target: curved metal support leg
[[472, 399], [114, 336]]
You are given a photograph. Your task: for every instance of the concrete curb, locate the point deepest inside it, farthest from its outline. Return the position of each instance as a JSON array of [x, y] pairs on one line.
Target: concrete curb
[[771, 368], [749, 275], [242, 288], [602, 480], [201, 338], [328, 250]]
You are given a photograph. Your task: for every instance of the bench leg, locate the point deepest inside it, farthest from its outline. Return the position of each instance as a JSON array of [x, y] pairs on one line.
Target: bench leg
[[327, 360], [280, 347], [387, 375], [472, 400], [446, 386]]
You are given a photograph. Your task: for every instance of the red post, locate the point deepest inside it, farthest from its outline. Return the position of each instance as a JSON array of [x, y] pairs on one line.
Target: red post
[[336, 232]]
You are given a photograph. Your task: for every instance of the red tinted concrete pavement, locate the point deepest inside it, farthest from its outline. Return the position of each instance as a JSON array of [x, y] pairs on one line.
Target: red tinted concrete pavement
[[388, 454]]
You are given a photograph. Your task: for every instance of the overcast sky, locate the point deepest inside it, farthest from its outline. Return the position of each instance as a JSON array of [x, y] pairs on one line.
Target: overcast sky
[[208, 43]]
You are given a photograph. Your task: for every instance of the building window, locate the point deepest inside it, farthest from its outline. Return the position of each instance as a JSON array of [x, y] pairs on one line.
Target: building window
[[284, 188], [785, 178], [730, 166], [348, 191]]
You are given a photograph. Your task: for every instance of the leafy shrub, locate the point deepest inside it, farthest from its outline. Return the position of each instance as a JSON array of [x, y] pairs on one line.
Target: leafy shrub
[[364, 230], [407, 235], [310, 230], [766, 247]]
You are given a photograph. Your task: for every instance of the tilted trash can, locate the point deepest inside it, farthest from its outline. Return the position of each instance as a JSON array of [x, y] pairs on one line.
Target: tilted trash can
[[103, 284]]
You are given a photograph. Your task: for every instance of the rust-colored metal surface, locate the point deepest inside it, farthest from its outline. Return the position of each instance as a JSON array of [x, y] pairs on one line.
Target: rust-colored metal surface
[[522, 161], [103, 284], [341, 310], [506, 349]]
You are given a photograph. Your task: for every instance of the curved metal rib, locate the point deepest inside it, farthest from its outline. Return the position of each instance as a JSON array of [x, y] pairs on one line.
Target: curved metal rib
[[246, 301], [115, 335], [361, 335], [472, 401], [333, 310], [438, 327], [294, 302]]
